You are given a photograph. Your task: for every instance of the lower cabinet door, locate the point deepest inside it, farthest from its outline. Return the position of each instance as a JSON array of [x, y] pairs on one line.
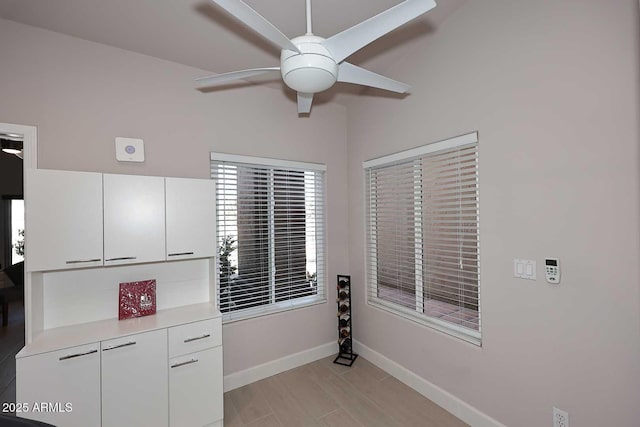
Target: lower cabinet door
[[134, 380], [195, 384], [60, 387]]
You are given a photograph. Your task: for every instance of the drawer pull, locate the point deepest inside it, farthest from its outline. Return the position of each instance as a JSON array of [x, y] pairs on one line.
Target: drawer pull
[[180, 253], [120, 346], [71, 356], [122, 258], [188, 362], [198, 338], [80, 261]]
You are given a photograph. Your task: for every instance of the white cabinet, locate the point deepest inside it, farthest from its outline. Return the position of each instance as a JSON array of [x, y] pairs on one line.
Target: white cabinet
[[134, 380], [64, 218], [195, 389], [134, 219], [169, 375], [196, 364], [67, 381], [112, 372], [191, 220], [85, 219]]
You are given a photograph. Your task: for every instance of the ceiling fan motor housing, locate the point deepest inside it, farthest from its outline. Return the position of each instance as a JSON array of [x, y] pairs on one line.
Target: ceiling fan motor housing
[[310, 71]]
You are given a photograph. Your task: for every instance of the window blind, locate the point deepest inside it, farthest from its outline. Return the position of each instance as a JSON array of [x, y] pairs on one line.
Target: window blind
[[270, 226], [423, 236]]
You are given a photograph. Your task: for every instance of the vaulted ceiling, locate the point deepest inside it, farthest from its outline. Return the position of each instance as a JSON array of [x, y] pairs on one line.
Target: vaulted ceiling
[[200, 34]]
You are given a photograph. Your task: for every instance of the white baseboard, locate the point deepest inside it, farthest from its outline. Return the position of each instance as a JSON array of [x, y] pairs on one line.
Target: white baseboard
[[448, 401], [260, 372]]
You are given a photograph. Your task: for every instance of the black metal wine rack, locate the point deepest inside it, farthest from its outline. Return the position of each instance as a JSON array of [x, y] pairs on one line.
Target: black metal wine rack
[[346, 356]]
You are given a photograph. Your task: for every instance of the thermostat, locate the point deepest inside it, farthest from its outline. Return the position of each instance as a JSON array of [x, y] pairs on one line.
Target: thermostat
[[129, 150], [552, 270]]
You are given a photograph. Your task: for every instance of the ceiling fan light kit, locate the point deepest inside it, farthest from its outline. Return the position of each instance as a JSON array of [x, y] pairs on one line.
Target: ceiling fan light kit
[[10, 146], [310, 71], [310, 64]]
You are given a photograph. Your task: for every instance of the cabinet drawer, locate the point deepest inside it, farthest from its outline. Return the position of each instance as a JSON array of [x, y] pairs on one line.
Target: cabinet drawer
[[195, 336]]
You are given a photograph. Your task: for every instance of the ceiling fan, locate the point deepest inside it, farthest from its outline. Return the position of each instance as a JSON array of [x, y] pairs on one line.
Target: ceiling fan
[[11, 144], [311, 64]]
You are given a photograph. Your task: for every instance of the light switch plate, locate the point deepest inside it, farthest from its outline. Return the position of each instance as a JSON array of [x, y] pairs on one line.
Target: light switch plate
[[129, 150], [524, 268]]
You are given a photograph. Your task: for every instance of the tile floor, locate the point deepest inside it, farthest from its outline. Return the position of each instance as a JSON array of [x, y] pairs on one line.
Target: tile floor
[[325, 394], [11, 341]]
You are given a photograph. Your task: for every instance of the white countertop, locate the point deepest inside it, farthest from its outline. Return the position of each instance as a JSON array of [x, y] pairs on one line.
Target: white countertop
[[91, 332]]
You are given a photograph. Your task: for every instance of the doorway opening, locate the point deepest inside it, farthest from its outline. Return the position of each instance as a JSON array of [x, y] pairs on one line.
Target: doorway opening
[[17, 152]]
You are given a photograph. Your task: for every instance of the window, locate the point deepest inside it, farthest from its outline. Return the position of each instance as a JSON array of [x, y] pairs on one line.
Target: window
[[270, 227], [422, 235], [17, 231], [12, 228]]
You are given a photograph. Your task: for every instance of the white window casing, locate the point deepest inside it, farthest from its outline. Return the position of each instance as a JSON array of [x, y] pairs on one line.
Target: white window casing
[[422, 251], [271, 221]]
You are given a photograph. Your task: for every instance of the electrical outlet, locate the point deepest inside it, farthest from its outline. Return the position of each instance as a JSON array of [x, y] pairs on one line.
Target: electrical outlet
[[560, 418]]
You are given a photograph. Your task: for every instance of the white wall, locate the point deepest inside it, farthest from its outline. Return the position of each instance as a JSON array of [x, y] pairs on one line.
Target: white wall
[[81, 95], [552, 88]]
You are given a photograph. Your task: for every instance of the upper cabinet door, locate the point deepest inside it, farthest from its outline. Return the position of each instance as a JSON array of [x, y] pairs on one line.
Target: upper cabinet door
[[191, 218], [64, 219], [134, 227]]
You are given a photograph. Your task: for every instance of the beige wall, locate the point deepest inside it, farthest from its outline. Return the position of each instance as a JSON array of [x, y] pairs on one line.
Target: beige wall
[[552, 88], [81, 95]]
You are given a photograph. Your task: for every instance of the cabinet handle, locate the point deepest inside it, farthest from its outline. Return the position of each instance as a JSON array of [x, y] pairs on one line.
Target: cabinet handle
[[71, 356], [121, 258], [198, 338], [79, 261], [180, 253], [120, 346], [188, 362]]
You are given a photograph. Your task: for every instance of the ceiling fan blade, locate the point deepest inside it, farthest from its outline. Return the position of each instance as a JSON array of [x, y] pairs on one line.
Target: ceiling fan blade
[[304, 102], [353, 39], [256, 22], [219, 79], [349, 73]]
